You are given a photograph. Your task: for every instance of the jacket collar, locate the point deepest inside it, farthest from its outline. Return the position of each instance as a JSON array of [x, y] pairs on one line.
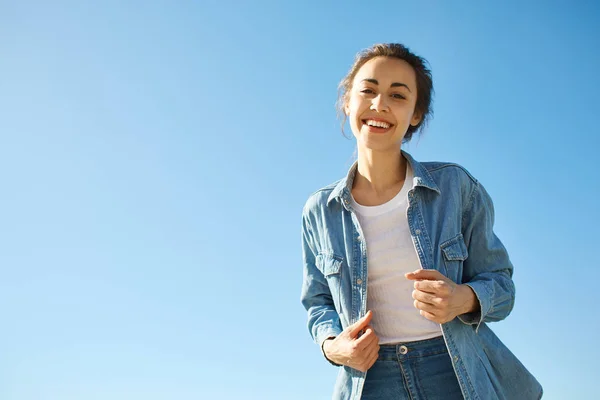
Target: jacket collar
[[422, 177]]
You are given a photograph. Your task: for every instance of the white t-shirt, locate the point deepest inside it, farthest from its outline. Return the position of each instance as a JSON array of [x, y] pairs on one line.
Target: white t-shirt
[[390, 254]]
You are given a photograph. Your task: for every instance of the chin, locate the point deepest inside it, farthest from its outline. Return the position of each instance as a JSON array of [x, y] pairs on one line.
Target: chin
[[379, 142], [376, 145]]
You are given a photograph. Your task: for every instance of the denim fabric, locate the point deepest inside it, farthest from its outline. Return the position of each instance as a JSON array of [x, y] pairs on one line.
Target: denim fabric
[[450, 217], [412, 371]]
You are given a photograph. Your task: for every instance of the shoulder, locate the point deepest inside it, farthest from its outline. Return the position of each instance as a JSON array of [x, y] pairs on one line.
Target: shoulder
[[456, 182], [453, 180], [318, 200], [448, 170]]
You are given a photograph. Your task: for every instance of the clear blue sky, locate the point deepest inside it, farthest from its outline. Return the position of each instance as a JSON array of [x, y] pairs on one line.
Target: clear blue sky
[[155, 158]]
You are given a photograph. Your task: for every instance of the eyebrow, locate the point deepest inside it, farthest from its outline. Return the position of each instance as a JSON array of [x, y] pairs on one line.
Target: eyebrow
[[394, 84]]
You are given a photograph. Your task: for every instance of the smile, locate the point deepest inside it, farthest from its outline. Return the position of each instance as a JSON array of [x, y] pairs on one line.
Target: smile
[[379, 125]]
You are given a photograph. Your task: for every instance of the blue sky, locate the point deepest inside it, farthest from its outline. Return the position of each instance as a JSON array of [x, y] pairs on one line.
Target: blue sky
[[155, 158]]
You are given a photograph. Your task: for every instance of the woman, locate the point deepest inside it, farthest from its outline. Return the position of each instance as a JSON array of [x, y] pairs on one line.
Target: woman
[[402, 269]]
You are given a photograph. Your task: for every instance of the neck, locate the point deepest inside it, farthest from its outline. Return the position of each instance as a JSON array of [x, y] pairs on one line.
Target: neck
[[379, 171]]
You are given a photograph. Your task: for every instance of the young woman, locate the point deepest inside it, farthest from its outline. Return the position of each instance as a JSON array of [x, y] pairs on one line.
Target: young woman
[[402, 269]]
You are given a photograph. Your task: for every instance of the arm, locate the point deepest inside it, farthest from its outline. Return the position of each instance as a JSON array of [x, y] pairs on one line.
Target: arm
[[357, 346], [487, 270], [323, 319]]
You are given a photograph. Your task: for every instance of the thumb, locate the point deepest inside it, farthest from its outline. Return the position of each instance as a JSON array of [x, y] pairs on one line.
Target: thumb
[[425, 274], [359, 325]]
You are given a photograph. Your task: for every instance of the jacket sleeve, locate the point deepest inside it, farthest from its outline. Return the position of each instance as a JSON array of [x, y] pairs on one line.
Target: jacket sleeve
[[488, 269], [323, 319]]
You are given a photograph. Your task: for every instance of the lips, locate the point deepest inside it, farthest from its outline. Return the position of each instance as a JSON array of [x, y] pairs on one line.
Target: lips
[[377, 125]]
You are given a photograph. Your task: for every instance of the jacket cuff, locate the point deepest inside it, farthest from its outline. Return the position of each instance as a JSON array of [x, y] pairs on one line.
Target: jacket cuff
[[476, 318], [324, 334]]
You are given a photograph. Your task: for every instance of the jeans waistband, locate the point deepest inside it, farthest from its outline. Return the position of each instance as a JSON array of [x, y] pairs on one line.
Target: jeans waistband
[[419, 348]]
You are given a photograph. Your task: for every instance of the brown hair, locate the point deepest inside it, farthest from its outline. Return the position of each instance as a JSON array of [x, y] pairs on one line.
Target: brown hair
[[399, 51]]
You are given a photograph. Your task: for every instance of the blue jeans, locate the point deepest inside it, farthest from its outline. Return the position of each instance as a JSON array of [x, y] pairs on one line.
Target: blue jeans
[[413, 371]]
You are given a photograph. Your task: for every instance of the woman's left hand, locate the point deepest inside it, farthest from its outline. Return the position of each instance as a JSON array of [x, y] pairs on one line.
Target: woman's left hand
[[438, 298]]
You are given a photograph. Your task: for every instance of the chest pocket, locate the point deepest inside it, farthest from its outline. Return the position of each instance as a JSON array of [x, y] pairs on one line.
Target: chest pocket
[[331, 267], [454, 253], [329, 264]]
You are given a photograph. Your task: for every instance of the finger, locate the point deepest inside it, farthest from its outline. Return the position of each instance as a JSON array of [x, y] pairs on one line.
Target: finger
[[429, 316], [371, 357], [425, 297], [361, 324], [425, 307], [430, 286], [366, 339], [374, 359], [427, 274]]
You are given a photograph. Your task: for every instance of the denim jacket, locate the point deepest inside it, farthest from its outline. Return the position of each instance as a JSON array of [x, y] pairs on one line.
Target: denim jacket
[[450, 217]]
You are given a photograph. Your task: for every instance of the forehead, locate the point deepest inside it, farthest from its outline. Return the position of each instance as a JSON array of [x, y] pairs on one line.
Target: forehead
[[387, 70]]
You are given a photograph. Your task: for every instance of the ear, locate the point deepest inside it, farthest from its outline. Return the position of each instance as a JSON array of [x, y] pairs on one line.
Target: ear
[[416, 118], [346, 107]]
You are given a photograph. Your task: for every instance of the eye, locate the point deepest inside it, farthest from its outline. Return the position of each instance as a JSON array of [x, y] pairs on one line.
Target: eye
[[398, 96], [368, 91]]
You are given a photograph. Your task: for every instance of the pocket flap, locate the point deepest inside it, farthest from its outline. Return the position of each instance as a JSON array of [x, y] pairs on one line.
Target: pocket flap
[[455, 249], [329, 264]]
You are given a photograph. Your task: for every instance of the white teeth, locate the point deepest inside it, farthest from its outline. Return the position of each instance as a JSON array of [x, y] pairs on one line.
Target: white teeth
[[378, 124]]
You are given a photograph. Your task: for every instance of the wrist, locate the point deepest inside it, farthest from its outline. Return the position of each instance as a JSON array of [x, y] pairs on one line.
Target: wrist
[[325, 348], [326, 344], [470, 302]]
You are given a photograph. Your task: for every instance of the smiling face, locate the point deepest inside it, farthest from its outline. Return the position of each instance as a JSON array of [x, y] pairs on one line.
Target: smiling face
[[381, 103]]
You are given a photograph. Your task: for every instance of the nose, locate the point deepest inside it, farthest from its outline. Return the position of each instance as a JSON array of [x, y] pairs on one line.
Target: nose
[[379, 103]]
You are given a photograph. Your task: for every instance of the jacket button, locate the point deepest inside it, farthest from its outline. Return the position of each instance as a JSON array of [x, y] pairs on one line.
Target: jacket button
[[359, 281], [418, 231], [455, 358], [403, 350]]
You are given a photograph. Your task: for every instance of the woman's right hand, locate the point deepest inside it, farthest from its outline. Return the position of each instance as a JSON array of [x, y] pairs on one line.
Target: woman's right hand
[[351, 350]]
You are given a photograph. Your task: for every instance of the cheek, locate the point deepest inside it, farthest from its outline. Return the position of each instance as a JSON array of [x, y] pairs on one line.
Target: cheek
[[354, 126], [355, 105], [353, 113], [406, 115]]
